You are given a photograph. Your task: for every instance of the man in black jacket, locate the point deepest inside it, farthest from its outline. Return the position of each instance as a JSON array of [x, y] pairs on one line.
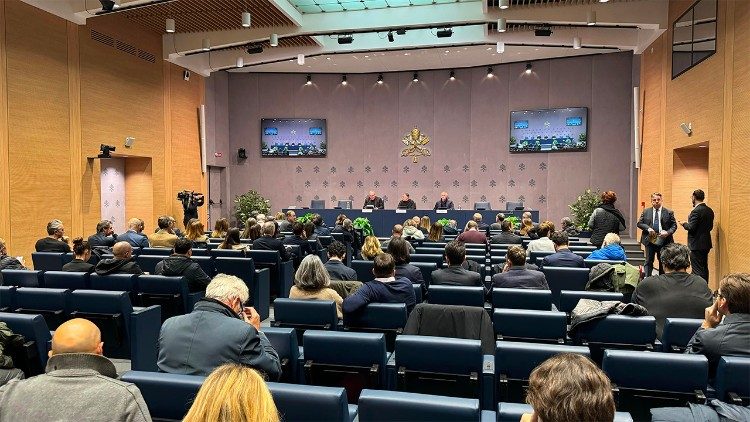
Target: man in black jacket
[[337, 270], [8, 262], [516, 275], [506, 236], [122, 263], [298, 238], [269, 243], [105, 235], [699, 225], [179, 264], [373, 201], [406, 203], [455, 275]]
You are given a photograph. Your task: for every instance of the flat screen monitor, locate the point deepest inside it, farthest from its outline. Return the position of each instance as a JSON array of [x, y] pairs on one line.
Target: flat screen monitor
[[286, 137], [549, 130]]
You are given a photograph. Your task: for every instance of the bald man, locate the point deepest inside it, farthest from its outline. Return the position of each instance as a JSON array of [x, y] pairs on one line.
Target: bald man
[[444, 203], [373, 201], [122, 263], [79, 384]]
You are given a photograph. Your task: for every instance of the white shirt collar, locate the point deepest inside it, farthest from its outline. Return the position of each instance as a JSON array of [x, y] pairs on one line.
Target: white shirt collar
[[385, 279]]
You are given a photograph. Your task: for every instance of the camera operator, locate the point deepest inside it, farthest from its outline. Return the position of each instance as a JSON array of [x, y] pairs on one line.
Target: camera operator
[[190, 203]]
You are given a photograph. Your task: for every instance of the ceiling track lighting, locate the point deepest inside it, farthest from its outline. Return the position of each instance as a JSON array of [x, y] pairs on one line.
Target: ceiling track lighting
[[343, 80], [489, 72], [401, 31], [301, 59], [416, 77], [240, 62], [502, 25], [504, 4], [274, 40], [577, 43], [254, 49], [445, 33], [346, 39], [452, 75], [169, 26], [246, 19], [206, 44], [380, 79], [500, 47], [390, 36], [591, 18], [309, 79], [528, 68]]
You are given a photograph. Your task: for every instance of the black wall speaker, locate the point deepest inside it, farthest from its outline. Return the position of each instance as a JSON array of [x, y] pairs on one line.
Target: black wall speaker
[[241, 154]]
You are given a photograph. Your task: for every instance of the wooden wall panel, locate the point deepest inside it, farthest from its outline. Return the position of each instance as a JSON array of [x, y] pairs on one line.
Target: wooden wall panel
[[651, 94], [139, 191], [38, 123], [185, 99], [4, 173]]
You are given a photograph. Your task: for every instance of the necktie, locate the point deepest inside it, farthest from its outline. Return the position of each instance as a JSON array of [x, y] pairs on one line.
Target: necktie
[[656, 221]]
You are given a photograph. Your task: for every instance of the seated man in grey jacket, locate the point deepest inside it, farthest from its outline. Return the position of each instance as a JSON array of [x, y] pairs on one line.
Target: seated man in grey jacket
[[79, 384], [218, 331]]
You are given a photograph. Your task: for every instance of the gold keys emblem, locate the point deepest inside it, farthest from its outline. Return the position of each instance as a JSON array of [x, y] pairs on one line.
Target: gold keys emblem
[[415, 142]]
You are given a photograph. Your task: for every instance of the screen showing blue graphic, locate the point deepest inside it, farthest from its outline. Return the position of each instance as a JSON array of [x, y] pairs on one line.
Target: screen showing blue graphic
[[293, 138], [549, 130]]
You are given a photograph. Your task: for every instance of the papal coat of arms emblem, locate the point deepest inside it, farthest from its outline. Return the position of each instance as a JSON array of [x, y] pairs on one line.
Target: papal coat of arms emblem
[[415, 142]]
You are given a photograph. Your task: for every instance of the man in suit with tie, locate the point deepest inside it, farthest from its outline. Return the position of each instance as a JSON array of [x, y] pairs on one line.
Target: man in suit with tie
[[699, 225], [658, 225]]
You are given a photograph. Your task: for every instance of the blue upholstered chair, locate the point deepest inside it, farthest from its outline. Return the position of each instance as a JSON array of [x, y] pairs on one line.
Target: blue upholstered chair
[[530, 325], [257, 281], [304, 315], [66, 280], [514, 362], [363, 269], [170, 293], [345, 359], [617, 332], [677, 333], [226, 253], [733, 380], [23, 278], [387, 318], [7, 298], [281, 272], [51, 304], [206, 263], [561, 278], [431, 257], [569, 298], [156, 251], [522, 299], [312, 403], [512, 412], [418, 293], [168, 396], [378, 405], [591, 263], [113, 282], [32, 359], [148, 262], [642, 381], [49, 261], [127, 333], [456, 295], [284, 342]]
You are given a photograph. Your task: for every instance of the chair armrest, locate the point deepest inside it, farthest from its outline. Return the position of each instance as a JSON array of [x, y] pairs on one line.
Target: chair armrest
[[193, 298], [352, 412], [390, 372], [262, 292], [144, 336], [488, 416], [286, 277], [488, 382]]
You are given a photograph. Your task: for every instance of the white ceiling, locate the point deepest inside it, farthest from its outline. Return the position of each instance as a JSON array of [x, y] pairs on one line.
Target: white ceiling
[[621, 25]]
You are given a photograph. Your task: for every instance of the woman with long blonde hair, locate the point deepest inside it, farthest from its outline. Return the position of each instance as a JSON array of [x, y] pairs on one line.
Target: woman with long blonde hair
[[233, 393], [526, 225], [220, 228], [371, 248], [195, 232]]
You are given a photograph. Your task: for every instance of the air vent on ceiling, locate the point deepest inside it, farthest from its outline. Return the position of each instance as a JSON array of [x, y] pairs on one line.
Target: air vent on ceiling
[[122, 46], [145, 55], [127, 48], [102, 38]]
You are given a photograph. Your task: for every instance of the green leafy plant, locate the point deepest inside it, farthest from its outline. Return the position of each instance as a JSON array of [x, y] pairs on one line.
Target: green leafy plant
[[444, 221], [583, 207], [250, 204], [305, 218], [515, 223], [363, 224]]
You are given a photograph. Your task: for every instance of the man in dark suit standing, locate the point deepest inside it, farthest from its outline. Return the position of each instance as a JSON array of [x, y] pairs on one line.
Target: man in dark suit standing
[[444, 203], [373, 201], [455, 275], [699, 225], [658, 225]]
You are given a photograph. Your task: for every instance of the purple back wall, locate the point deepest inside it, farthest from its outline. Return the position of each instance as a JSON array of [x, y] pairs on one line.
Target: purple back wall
[[467, 121]]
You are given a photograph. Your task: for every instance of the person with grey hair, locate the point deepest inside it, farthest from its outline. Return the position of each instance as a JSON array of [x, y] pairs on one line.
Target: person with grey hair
[[105, 235], [8, 262], [569, 228], [611, 249], [311, 281], [674, 294], [350, 235], [219, 330], [165, 237], [56, 241], [134, 235], [267, 241]]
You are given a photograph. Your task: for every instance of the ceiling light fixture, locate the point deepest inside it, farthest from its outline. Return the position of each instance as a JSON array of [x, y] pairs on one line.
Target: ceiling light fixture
[[254, 49], [246, 19], [452, 76], [603, 1], [107, 5], [504, 4], [346, 39], [445, 33], [309, 79], [206, 44], [502, 25], [577, 43], [416, 77], [591, 18], [401, 31], [343, 79], [240, 62], [301, 59], [489, 72], [390, 36], [500, 47], [170, 25], [380, 79], [528, 68], [274, 41]]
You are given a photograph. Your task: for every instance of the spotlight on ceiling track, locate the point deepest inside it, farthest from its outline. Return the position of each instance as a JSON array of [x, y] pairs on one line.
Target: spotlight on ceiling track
[[240, 62], [577, 43], [445, 33], [343, 79], [500, 47], [504, 4], [401, 31], [591, 18], [254, 49], [274, 40], [416, 77], [309, 79], [528, 68], [169, 26], [502, 25], [108, 5], [452, 76], [246, 19], [301, 59], [489, 72], [390, 36], [206, 44], [346, 39], [380, 79]]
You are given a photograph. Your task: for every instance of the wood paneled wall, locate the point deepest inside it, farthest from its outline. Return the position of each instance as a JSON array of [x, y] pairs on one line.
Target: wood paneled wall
[[712, 96], [65, 93], [689, 172]]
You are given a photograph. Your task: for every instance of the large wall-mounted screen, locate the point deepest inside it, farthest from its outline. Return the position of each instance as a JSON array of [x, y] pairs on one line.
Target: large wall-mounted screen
[[293, 138], [550, 130]]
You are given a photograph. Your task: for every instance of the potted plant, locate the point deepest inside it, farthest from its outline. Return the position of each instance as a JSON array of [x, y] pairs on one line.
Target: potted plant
[[363, 224], [515, 223], [305, 218], [249, 205], [582, 208]]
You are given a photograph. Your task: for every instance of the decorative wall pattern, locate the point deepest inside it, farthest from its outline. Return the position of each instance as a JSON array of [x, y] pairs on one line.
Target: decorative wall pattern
[[468, 124], [113, 194]]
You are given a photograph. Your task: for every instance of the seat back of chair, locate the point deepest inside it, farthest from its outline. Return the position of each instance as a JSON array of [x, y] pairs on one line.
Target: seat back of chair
[[48, 261], [110, 311], [113, 282], [562, 278], [456, 295], [380, 405], [569, 298], [23, 278], [35, 330], [310, 402], [156, 251], [733, 379], [153, 385], [284, 342], [659, 372], [363, 269], [66, 280], [677, 333], [522, 299], [171, 293], [148, 262], [50, 303], [530, 325]]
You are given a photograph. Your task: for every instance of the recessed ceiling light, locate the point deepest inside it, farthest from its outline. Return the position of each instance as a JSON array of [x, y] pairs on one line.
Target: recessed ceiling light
[[328, 58], [406, 54]]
